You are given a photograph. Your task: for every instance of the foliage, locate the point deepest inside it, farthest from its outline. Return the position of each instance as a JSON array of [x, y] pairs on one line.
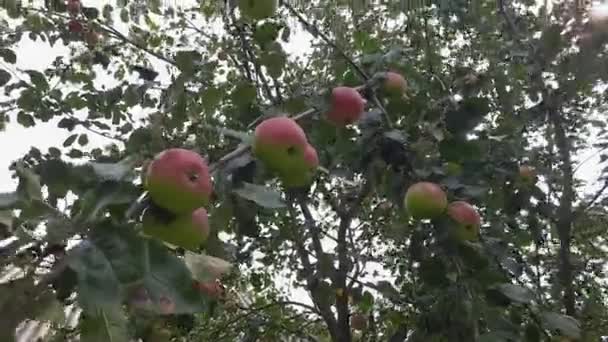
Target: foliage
[[489, 88]]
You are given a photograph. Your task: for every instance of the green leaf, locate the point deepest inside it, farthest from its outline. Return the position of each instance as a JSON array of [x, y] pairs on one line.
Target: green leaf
[[187, 60], [8, 55], [387, 289], [114, 171], [83, 139], [206, 268], [263, 196], [29, 184], [107, 325], [124, 15], [516, 293], [4, 77], [25, 120], [38, 79], [106, 194], [70, 140], [566, 325], [53, 312], [8, 200]]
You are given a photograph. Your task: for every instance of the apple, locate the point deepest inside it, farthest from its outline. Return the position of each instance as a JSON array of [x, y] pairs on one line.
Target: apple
[[279, 142], [394, 83], [346, 106], [188, 231], [75, 26], [166, 305], [212, 289], [258, 9], [467, 220], [425, 200], [300, 174], [73, 7], [91, 37], [527, 174], [178, 180], [358, 321]]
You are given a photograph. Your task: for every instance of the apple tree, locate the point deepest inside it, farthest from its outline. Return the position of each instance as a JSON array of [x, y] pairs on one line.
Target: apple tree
[[306, 171]]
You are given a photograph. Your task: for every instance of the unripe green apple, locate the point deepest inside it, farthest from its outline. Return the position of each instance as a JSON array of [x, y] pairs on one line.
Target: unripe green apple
[[279, 142], [346, 106], [257, 9], [425, 200], [527, 174], [467, 221], [189, 231], [302, 172], [394, 83], [178, 180]]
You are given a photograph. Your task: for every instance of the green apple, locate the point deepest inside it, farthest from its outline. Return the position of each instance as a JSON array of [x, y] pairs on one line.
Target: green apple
[[188, 231], [257, 9], [425, 200], [279, 143], [467, 221], [346, 106], [178, 180], [302, 172]]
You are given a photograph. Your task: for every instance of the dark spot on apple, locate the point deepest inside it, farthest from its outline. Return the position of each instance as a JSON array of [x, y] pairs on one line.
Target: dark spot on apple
[[291, 150], [193, 177]]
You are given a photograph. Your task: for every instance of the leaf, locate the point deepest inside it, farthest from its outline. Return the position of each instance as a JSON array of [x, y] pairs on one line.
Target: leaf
[[53, 312], [109, 193], [29, 184], [8, 200], [246, 138], [187, 60], [206, 268], [38, 79], [25, 120], [70, 140], [387, 289], [566, 325], [8, 55], [108, 325], [516, 293], [83, 139], [4, 77], [114, 171], [263, 196]]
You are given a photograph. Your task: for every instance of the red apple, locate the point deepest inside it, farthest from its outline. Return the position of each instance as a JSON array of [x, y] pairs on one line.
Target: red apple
[[301, 173], [394, 83], [346, 106], [178, 180], [75, 26], [279, 142], [166, 305], [358, 321], [212, 289], [188, 231], [467, 220], [73, 7], [258, 9], [425, 200], [91, 38]]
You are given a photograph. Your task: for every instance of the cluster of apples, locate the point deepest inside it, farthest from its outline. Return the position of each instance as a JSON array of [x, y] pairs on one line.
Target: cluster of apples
[[178, 181], [75, 25], [281, 144], [426, 200]]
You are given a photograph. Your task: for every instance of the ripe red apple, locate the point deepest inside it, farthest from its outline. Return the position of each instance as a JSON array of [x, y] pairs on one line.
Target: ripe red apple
[[212, 289], [527, 173], [91, 38], [188, 231], [178, 180], [301, 173], [358, 321], [279, 142], [425, 200], [394, 83], [73, 7], [258, 9], [75, 26], [346, 106], [467, 220]]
